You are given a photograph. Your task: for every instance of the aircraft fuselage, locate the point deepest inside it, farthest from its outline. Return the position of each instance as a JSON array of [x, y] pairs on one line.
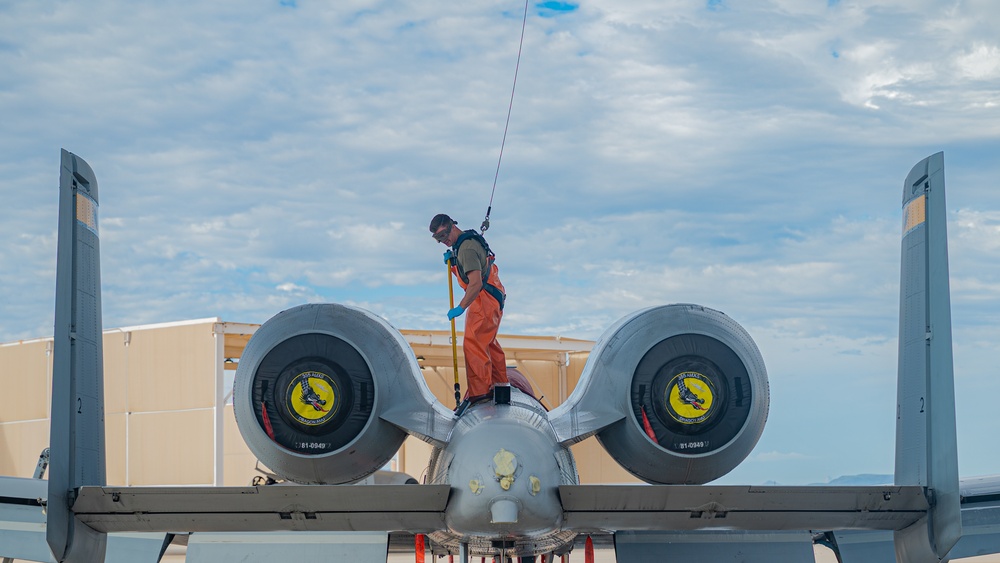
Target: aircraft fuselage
[[505, 466]]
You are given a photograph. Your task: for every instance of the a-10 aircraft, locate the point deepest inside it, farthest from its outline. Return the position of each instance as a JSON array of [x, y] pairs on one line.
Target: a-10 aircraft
[[678, 395]]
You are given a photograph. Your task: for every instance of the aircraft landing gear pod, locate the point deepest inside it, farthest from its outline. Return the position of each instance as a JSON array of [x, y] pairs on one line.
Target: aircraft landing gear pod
[[306, 398]]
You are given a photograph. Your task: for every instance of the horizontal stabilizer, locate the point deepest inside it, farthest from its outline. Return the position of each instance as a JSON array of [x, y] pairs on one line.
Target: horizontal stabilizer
[[323, 508], [738, 507]]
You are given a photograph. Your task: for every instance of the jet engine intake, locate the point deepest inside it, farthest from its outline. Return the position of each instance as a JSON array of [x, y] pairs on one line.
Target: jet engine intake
[[308, 390], [694, 389]]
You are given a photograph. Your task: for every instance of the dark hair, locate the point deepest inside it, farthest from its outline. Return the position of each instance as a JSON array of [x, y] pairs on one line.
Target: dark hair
[[441, 220]]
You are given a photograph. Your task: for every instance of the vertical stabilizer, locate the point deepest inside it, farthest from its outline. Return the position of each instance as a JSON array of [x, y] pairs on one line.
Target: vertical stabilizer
[[926, 446], [76, 435]]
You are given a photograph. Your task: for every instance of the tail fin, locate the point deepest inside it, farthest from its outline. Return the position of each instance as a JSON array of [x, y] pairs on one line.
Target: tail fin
[[76, 435], [926, 448]]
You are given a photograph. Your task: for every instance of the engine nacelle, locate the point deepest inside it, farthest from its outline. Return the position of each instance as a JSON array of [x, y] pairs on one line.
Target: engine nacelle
[[310, 388], [694, 389]]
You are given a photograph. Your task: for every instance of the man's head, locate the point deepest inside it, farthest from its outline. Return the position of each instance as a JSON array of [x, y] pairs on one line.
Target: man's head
[[443, 229]]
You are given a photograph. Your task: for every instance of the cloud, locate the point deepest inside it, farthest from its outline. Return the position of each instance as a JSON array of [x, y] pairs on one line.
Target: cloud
[[290, 287]]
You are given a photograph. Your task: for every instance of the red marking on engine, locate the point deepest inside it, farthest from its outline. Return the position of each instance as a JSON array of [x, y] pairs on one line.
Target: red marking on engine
[[267, 421], [647, 426]]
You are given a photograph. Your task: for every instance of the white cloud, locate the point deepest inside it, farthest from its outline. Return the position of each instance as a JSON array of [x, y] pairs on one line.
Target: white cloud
[[290, 287], [982, 62]]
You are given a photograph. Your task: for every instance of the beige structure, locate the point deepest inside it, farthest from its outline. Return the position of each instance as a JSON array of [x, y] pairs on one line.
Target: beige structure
[[168, 401]]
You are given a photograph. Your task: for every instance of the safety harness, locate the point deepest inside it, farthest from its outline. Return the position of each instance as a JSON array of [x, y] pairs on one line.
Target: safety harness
[[490, 258]]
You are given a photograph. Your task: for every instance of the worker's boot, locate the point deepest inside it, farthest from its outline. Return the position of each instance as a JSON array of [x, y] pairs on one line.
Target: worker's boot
[[469, 401]]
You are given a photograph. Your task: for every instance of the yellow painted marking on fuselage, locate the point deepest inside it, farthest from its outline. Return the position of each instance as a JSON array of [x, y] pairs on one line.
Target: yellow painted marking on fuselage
[[504, 465], [536, 485], [476, 486]]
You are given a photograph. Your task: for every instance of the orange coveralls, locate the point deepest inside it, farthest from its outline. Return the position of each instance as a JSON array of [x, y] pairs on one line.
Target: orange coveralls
[[485, 363]]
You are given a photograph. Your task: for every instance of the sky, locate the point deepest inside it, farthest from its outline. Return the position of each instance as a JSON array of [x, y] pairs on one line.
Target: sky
[[743, 155]]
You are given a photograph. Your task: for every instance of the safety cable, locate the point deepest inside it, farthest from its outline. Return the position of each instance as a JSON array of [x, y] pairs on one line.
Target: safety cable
[[520, 45]]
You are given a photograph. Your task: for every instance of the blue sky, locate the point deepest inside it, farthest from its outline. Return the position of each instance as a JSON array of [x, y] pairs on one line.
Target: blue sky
[[747, 156]]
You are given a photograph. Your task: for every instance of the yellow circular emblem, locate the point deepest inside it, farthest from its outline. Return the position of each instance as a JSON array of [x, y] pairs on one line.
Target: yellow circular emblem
[[312, 398], [690, 397]]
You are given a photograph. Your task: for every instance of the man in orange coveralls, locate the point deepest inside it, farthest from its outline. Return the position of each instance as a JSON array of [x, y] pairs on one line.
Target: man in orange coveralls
[[472, 264]]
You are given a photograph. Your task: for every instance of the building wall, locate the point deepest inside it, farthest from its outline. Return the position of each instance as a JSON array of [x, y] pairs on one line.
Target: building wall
[[159, 394], [24, 405]]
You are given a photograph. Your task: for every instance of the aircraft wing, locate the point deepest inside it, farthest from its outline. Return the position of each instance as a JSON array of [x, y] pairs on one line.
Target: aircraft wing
[[699, 507], [980, 517], [980, 502], [415, 508], [22, 521]]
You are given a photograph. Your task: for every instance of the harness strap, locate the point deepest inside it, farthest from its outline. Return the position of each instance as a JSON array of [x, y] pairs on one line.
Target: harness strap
[[495, 292], [490, 259]]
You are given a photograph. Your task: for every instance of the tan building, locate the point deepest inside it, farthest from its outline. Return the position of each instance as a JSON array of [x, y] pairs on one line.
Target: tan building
[[168, 401]]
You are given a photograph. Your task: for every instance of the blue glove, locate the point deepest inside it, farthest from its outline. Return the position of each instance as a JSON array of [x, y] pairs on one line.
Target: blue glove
[[449, 255], [455, 312]]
